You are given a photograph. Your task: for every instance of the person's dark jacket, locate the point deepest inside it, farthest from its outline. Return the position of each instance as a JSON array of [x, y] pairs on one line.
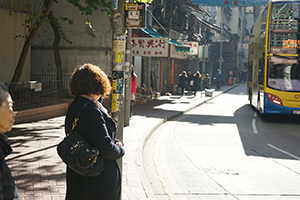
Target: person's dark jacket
[[99, 130], [182, 81], [218, 76], [197, 83], [8, 189]]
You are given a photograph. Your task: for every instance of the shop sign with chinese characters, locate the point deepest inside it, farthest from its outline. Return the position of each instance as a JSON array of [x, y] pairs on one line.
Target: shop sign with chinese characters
[[193, 47], [150, 47]]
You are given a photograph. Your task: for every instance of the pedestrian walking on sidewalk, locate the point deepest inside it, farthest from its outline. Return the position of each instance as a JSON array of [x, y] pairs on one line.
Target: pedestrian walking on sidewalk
[[190, 81], [89, 84], [133, 89], [218, 76], [197, 82], [8, 189], [182, 81], [207, 81]]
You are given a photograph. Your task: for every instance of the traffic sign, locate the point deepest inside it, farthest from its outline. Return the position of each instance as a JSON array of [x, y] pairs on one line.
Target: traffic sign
[[221, 59]]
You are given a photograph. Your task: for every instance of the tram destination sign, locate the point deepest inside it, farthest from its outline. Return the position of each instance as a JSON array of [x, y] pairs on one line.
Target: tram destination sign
[[230, 2]]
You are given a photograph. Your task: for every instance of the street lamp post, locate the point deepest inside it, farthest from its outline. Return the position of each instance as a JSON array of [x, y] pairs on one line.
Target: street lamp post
[[221, 48], [202, 70]]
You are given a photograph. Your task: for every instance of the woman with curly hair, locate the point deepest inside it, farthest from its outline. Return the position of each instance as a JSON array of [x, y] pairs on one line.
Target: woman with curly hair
[[89, 84]]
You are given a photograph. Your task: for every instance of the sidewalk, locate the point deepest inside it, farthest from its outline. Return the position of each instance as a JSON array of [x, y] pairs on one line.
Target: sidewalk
[[40, 174]]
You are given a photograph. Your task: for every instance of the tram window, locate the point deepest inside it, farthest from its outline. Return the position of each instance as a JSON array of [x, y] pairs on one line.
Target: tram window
[[261, 71], [295, 72], [250, 71], [277, 71]]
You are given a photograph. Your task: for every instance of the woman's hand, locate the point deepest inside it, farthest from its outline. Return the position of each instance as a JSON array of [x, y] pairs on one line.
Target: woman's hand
[[120, 144]]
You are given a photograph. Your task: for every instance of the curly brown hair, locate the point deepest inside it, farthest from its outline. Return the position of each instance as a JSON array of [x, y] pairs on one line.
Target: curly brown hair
[[89, 79]]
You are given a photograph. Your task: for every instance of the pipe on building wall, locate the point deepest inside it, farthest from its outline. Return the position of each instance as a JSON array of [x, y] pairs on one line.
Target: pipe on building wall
[[161, 75], [172, 73]]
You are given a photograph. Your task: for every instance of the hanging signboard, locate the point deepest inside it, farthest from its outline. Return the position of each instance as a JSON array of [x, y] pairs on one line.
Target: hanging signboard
[[150, 47], [177, 53], [135, 15], [230, 2], [193, 47]]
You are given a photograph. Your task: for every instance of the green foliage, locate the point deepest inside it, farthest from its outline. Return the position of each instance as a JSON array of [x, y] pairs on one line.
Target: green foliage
[[92, 5], [89, 29], [148, 2], [31, 21], [61, 32], [88, 9], [143, 1]]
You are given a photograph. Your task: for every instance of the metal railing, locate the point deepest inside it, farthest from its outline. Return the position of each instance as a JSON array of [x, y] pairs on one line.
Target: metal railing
[[47, 77], [35, 94]]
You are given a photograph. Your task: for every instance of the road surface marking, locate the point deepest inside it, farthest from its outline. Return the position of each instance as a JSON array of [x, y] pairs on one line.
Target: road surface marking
[[255, 114], [166, 186], [254, 126], [282, 151], [184, 116]]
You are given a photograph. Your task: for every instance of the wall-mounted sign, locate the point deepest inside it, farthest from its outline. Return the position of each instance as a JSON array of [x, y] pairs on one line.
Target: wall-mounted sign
[[175, 53], [135, 15], [193, 47], [115, 4], [150, 47], [119, 46]]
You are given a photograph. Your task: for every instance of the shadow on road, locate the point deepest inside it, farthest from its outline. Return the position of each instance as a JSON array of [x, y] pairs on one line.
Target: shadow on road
[[281, 132]]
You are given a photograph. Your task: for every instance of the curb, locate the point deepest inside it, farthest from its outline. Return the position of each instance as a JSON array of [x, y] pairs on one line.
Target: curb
[[146, 136]]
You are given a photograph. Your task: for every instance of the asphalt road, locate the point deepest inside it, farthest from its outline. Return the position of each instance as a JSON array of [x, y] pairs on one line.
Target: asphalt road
[[223, 150]]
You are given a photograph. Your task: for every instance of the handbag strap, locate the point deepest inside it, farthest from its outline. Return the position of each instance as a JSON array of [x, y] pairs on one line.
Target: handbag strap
[[74, 124]]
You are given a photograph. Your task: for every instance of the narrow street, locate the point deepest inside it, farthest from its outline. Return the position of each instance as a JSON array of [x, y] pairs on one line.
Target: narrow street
[[223, 150]]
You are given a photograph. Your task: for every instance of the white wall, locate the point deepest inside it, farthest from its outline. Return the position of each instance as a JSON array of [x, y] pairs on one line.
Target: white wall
[[10, 48], [84, 48]]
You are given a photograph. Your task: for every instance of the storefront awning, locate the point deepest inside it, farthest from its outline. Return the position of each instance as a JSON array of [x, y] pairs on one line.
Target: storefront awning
[[180, 47], [153, 33]]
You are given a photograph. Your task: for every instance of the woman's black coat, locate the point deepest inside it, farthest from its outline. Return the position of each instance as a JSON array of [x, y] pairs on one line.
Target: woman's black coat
[[8, 189], [99, 130]]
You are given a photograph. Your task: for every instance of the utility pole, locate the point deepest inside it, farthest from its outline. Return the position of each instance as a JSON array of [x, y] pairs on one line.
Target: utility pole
[[221, 49], [118, 62], [128, 61], [202, 64], [220, 60], [134, 12]]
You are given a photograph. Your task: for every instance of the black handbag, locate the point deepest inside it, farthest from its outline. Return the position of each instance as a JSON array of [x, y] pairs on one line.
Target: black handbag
[[78, 154]]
